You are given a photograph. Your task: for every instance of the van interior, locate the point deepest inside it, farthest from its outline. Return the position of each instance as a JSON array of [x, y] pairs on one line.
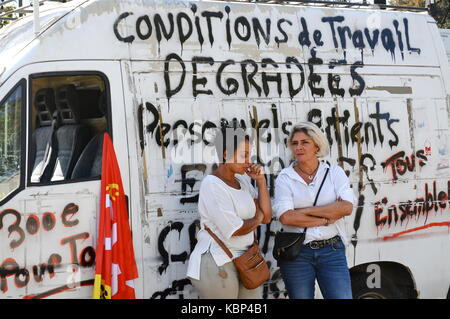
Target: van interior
[[68, 119]]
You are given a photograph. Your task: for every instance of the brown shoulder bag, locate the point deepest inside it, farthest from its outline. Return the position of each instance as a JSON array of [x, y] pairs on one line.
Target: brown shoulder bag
[[251, 266]]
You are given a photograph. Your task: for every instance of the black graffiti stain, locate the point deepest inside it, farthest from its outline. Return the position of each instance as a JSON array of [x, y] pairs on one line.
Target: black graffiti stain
[[209, 15], [32, 224], [292, 90], [68, 212], [358, 80], [185, 169], [146, 21], [259, 31], [391, 37], [282, 31], [10, 267], [357, 221], [271, 286], [161, 28], [276, 78], [253, 75], [242, 27], [193, 228], [197, 25], [177, 286], [314, 78], [200, 81], [303, 37], [141, 126], [14, 228], [228, 26], [178, 226], [388, 40], [87, 255], [160, 130], [169, 91], [190, 181], [357, 133], [268, 234], [362, 167], [126, 39], [48, 221], [184, 36], [335, 79], [54, 261]]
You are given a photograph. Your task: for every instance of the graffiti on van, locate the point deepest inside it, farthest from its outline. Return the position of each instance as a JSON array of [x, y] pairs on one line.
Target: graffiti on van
[[71, 253], [433, 200], [289, 76], [204, 25]]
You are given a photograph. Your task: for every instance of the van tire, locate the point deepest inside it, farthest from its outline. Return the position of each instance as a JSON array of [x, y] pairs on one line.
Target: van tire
[[387, 288]]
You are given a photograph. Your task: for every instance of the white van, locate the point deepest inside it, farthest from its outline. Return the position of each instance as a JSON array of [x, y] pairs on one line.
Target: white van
[[377, 82], [445, 35]]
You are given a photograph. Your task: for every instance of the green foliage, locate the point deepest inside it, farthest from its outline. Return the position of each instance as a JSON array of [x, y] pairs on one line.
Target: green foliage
[[5, 9], [441, 12]]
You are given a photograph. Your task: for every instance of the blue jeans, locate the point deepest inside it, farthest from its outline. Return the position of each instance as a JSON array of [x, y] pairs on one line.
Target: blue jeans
[[328, 265]]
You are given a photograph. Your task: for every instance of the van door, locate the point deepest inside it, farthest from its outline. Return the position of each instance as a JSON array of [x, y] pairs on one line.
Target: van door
[[50, 201]]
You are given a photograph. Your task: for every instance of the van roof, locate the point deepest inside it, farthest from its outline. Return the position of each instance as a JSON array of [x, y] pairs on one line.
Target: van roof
[[19, 45], [17, 35]]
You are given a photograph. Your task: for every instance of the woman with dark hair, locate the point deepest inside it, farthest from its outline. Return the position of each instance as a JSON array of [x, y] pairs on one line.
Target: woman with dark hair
[[232, 209]]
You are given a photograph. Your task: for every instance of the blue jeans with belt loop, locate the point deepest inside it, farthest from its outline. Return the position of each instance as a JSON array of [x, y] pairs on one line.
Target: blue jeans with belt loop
[[328, 265]]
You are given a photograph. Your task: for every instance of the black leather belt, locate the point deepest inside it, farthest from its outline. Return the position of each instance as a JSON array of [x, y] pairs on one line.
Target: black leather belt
[[317, 244]]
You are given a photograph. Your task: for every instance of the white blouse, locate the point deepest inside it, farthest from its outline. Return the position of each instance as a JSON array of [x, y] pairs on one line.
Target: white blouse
[[292, 192], [223, 209]]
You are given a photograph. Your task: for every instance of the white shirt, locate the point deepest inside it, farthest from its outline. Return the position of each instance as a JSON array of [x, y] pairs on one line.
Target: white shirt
[[223, 209], [292, 192]]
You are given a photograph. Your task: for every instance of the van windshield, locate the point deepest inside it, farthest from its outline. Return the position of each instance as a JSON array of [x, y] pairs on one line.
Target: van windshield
[[10, 141]]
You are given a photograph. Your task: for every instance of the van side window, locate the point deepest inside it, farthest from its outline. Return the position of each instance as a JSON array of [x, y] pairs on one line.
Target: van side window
[[11, 133], [69, 117]]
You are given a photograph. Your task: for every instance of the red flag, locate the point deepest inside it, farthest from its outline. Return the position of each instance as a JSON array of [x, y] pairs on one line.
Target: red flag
[[116, 268]]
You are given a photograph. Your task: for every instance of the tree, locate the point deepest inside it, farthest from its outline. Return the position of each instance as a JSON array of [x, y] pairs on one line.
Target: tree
[[441, 13], [4, 9], [439, 9], [408, 3]]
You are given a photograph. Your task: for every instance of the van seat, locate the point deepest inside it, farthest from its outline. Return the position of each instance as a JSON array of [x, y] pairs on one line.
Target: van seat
[[43, 147], [71, 136], [90, 162]]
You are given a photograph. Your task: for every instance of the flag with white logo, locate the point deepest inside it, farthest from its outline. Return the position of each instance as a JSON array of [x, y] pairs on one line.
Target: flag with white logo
[[116, 268]]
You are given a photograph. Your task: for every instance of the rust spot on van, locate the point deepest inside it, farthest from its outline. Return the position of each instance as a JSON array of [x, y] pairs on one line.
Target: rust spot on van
[[338, 131], [359, 148], [255, 118], [163, 148], [392, 89], [410, 122]]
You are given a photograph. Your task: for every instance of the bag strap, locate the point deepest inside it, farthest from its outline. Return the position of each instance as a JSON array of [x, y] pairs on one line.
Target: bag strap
[[320, 188], [318, 192], [221, 244]]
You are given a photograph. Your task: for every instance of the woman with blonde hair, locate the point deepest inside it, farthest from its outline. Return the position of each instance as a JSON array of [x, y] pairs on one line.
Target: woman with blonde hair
[[322, 257]]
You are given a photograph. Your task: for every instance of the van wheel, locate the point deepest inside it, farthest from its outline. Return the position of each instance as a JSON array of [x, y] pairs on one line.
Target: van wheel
[[387, 289]]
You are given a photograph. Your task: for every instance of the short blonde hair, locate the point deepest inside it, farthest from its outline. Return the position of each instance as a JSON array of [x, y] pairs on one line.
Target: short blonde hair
[[315, 133]]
